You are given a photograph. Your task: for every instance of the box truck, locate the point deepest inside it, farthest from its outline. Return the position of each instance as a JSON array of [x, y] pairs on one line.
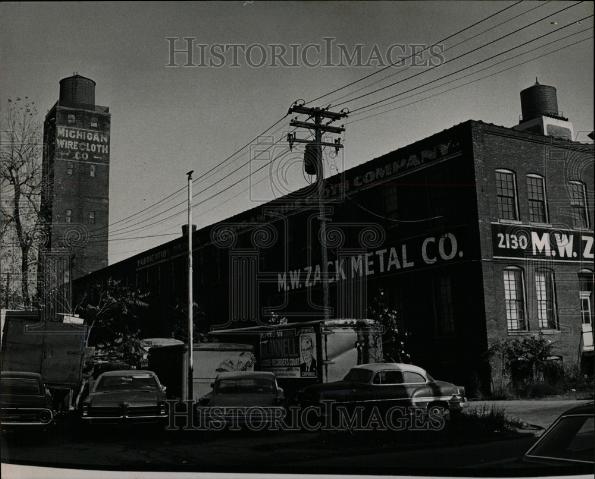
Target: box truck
[[310, 352]]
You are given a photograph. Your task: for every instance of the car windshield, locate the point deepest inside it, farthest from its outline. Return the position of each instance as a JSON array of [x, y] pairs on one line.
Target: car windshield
[[18, 386], [244, 385], [571, 438], [357, 375], [134, 381]]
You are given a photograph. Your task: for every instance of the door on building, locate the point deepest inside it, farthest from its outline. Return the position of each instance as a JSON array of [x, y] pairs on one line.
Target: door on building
[[587, 320], [586, 293]]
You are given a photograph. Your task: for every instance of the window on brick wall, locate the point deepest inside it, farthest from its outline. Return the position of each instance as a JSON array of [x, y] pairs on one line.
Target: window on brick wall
[[71, 118], [91, 217], [578, 204], [507, 195], [92, 171], [586, 292], [545, 292], [514, 299], [68, 216], [444, 305], [537, 199], [69, 168], [391, 201]]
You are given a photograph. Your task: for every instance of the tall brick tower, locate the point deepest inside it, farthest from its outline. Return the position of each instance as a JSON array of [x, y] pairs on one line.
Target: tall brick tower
[[75, 197]]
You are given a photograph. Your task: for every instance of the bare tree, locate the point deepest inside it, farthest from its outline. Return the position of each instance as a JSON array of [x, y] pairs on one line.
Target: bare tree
[[20, 190]]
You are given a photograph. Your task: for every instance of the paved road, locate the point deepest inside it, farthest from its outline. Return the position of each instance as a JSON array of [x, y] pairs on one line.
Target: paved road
[[305, 452], [539, 412], [253, 452]]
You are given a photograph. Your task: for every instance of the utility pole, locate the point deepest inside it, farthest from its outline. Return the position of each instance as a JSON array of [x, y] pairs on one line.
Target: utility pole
[[318, 114], [190, 372], [7, 290]]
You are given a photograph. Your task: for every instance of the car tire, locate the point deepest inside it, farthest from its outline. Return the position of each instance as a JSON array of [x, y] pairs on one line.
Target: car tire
[[439, 410]]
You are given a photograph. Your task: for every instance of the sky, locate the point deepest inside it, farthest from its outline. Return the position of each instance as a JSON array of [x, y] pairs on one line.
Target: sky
[[168, 118]]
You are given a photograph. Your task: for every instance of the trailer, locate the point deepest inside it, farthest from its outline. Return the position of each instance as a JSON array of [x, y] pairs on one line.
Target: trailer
[[310, 352], [56, 350], [167, 357]]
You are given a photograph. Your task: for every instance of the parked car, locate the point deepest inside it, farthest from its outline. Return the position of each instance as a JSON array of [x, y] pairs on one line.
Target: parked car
[[236, 393], [389, 384], [125, 396], [24, 400], [569, 443]]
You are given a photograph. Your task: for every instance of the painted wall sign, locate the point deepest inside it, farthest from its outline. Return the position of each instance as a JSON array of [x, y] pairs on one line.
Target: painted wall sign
[[529, 242], [82, 145], [416, 252]]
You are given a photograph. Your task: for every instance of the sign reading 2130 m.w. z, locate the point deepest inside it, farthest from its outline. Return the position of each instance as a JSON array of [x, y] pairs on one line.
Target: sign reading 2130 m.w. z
[[528, 242]]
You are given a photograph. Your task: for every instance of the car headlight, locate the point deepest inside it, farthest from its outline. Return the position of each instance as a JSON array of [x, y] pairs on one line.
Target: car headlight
[[45, 416]]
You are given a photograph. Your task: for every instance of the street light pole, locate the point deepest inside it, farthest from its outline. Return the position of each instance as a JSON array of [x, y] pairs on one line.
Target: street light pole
[[190, 372]]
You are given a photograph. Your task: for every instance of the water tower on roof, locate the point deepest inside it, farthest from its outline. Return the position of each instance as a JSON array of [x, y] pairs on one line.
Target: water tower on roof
[[77, 91], [539, 106], [75, 204]]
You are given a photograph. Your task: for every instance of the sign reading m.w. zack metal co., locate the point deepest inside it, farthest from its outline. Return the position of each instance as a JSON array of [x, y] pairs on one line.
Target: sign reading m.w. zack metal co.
[[529, 242]]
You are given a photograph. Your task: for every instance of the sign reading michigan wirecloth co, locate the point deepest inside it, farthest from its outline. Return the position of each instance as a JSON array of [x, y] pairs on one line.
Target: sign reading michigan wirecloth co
[[529, 242], [79, 144]]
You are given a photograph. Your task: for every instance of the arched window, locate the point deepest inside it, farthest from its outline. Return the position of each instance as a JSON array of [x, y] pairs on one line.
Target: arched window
[[537, 200], [514, 298], [545, 292], [507, 195]]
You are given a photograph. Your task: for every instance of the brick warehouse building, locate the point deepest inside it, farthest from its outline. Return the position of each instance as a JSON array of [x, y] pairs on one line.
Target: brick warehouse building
[[75, 197], [477, 233]]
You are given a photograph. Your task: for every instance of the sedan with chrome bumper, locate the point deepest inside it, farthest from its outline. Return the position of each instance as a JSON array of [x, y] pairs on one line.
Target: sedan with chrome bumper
[[126, 396], [24, 401], [389, 384]]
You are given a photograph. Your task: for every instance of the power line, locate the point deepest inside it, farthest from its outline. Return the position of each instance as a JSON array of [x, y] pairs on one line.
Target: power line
[[415, 54], [345, 95], [127, 228], [471, 74], [244, 190], [203, 201], [481, 78], [491, 42], [472, 65], [200, 202], [197, 179]]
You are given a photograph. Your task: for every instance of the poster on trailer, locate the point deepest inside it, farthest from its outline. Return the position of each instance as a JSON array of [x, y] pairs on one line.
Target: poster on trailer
[[289, 353]]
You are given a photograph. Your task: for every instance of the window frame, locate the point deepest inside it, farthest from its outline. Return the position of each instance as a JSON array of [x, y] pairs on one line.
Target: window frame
[[379, 374], [391, 201], [70, 168], [523, 310], [68, 215], [515, 196], [546, 214], [584, 208], [440, 303], [92, 170], [91, 218], [424, 380], [585, 278], [549, 275]]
